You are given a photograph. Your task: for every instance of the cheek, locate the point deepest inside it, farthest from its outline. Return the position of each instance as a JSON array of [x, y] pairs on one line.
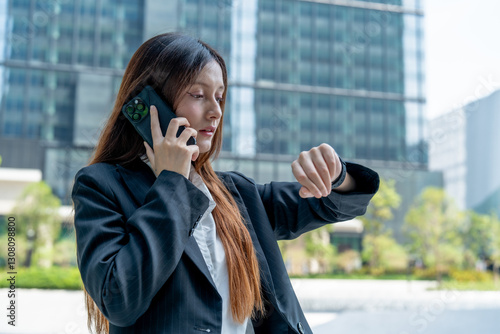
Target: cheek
[[185, 110], [189, 109]]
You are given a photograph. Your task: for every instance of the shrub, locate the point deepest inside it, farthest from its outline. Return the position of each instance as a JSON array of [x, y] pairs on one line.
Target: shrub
[[349, 261], [384, 254], [471, 276], [46, 278], [428, 274], [65, 253]]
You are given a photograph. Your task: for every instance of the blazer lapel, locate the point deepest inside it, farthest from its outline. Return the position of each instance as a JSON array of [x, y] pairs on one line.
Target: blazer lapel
[[138, 178]]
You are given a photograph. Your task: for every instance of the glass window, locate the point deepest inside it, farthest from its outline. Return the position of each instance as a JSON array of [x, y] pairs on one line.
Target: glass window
[[267, 69], [267, 25], [342, 77], [12, 128], [34, 130], [359, 15], [266, 5], [376, 80], [265, 171], [323, 11], [21, 4], [267, 47], [322, 29], [305, 8], [323, 122], [305, 101], [341, 13], [375, 58], [360, 78], [305, 73], [339, 56], [323, 52], [285, 71], [305, 51], [305, 28], [394, 82], [322, 74]]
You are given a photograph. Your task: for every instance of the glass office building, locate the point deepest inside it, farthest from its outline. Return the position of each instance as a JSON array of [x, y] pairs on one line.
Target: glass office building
[[347, 73], [61, 64], [464, 146]]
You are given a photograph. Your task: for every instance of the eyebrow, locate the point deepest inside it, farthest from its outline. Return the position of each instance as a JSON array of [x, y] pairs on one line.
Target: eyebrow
[[201, 83]]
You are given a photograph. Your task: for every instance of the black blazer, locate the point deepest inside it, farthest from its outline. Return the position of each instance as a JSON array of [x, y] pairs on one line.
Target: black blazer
[[145, 272]]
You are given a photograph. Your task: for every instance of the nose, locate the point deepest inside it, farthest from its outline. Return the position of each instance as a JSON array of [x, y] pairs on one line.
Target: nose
[[214, 111]]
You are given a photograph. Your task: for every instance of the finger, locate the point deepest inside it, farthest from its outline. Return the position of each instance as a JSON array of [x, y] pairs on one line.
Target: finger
[[313, 175], [150, 154], [331, 159], [186, 134], [155, 125], [196, 152], [322, 169], [303, 178], [174, 125], [304, 193]]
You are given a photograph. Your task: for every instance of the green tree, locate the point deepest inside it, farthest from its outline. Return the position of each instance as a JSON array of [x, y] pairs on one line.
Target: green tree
[[390, 254], [434, 226], [482, 238], [36, 210], [348, 261], [494, 250], [377, 236], [319, 248], [478, 237]]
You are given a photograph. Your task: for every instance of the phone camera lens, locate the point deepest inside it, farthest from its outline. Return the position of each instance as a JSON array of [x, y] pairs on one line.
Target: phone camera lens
[[140, 106], [136, 117], [130, 110]]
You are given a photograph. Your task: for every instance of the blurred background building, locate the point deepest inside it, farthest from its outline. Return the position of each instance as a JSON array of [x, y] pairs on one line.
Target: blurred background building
[[344, 72], [464, 145]]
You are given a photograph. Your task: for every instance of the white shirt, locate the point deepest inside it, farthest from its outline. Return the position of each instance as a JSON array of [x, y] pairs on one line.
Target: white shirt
[[215, 257]]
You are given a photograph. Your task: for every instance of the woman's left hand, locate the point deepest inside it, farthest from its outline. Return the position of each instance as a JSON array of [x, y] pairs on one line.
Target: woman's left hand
[[316, 169]]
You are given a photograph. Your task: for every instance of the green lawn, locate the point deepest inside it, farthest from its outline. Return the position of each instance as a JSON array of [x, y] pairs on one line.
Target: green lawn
[[361, 276], [69, 278], [476, 286]]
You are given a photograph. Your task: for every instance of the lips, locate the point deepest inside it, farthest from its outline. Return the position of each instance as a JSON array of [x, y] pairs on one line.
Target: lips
[[209, 129]]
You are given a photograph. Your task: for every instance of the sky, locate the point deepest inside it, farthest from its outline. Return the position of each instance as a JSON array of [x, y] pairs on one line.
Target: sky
[[462, 46]]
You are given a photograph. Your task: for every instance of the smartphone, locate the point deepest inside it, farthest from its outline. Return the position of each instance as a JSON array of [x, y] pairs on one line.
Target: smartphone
[[137, 111]]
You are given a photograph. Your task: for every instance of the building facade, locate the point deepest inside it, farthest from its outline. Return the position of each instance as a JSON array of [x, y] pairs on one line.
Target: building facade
[[347, 73], [464, 146], [447, 153]]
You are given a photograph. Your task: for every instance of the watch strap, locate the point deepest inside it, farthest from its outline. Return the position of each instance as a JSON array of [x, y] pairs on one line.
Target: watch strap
[[340, 179]]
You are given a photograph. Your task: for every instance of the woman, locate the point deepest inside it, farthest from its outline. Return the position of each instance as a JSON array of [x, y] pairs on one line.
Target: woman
[[167, 245]]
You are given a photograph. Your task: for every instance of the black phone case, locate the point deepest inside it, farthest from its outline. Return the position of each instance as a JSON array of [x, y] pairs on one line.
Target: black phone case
[[137, 111]]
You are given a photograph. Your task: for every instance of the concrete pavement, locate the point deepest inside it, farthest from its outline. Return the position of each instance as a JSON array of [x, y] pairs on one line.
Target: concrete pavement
[[62, 311], [324, 295]]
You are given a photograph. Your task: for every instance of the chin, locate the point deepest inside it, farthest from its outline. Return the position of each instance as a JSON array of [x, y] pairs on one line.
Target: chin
[[204, 148]]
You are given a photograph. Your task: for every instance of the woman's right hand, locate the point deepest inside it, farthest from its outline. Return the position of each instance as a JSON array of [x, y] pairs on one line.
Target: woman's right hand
[[171, 152]]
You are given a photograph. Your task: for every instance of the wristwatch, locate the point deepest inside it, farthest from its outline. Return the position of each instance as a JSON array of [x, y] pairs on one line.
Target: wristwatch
[[340, 179]]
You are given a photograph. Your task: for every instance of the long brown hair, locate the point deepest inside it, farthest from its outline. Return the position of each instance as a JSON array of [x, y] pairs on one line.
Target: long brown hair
[[170, 63]]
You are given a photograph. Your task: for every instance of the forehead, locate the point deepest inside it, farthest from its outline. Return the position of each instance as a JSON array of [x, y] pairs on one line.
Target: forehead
[[210, 75]]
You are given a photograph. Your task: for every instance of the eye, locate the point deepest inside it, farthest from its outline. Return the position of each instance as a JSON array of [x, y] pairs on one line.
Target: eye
[[196, 96], [219, 100]]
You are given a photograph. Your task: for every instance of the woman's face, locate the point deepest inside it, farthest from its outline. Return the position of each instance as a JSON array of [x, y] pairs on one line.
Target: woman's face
[[200, 104]]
